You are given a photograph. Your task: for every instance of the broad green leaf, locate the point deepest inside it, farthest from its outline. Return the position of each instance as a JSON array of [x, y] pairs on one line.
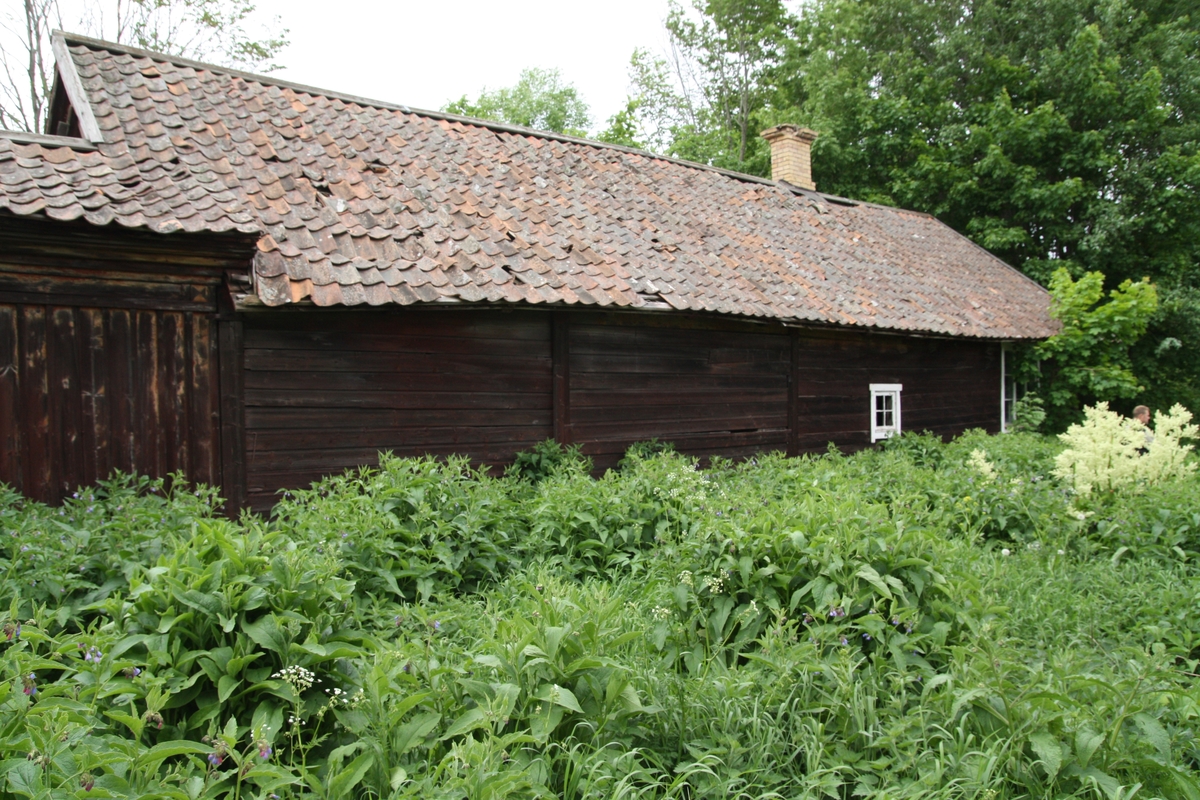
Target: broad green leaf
[[553, 693], [871, 576], [135, 724], [1086, 743], [413, 732], [226, 686], [150, 760], [1155, 734], [472, 719], [25, 779], [1049, 752], [341, 784], [267, 634]]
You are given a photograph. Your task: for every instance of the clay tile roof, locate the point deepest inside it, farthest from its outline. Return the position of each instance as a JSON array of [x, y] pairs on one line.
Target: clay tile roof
[[360, 202]]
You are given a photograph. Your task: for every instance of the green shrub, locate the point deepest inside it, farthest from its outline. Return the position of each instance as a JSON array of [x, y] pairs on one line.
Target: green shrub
[[546, 459], [411, 528]]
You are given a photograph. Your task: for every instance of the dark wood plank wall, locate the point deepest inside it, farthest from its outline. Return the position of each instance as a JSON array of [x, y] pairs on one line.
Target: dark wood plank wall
[[949, 385], [710, 387], [86, 391], [328, 390], [108, 354]]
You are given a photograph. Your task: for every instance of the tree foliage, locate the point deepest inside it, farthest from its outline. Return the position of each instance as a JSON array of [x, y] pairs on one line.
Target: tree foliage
[[540, 100], [208, 30], [1088, 359]]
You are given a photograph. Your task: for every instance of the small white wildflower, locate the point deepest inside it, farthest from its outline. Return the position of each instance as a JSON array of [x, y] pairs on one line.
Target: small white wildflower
[[685, 578], [1006, 552], [661, 613], [299, 677], [714, 584], [1062, 552]]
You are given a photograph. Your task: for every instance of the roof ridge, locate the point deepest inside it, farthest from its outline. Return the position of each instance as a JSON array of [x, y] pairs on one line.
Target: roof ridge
[[101, 44]]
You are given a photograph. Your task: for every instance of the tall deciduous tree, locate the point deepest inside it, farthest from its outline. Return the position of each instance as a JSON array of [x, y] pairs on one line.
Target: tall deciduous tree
[[208, 30], [540, 100]]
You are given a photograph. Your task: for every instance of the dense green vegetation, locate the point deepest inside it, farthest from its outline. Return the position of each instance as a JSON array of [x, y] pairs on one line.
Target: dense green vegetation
[[927, 620]]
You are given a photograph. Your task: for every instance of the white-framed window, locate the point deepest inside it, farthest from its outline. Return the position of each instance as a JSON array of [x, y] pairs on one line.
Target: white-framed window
[[885, 410]]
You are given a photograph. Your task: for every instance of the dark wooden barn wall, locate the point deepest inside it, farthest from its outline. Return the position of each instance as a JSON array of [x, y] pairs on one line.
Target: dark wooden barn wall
[[328, 390], [709, 388], [949, 385], [109, 354], [93, 390]]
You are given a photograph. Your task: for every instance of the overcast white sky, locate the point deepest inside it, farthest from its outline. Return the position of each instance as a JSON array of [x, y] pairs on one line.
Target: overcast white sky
[[426, 53]]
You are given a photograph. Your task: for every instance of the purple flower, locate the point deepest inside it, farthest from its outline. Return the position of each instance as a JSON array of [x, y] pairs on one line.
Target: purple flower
[[866, 637], [132, 672], [215, 759], [87, 781], [29, 683], [845, 641], [264, 750], [93, 655], [12, 630]]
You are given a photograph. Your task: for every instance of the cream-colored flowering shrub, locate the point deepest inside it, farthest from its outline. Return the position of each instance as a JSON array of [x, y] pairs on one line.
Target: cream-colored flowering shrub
[[978, 461], [1167, 453], [1107, 451]]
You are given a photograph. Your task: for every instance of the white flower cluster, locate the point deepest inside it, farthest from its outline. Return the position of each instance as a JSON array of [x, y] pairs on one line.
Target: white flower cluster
[[338, 698], [714, 584], [1107, 451], [685, 578], [299, 677], [661, 613], [978, 462]]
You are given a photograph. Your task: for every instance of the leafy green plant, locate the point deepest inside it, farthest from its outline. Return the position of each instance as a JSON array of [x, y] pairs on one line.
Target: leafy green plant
[[1089, 356], [546, 459]]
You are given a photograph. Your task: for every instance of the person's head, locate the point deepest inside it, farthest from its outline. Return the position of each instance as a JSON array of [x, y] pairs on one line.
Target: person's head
[[1142, 414]]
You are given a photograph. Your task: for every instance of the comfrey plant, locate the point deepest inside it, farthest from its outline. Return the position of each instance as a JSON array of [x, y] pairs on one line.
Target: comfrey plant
[[1108, 452]]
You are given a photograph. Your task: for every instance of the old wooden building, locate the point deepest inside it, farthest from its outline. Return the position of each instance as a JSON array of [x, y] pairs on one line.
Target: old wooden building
[[259, 283]]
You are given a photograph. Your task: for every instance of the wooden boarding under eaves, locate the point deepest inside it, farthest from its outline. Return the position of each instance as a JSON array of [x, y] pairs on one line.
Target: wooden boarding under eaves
[[258, 283]]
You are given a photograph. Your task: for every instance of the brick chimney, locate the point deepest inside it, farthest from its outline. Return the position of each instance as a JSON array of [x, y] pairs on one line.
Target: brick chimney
[[791, 154]]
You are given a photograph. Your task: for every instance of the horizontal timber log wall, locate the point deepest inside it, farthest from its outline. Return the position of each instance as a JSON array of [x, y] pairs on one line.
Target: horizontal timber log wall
[[326, 390], [711, 387], [949, 385]]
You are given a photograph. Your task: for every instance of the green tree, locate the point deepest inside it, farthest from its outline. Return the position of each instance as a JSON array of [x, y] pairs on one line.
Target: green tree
[[1088, 360], [222, 31], [541, 100], [721, 83]]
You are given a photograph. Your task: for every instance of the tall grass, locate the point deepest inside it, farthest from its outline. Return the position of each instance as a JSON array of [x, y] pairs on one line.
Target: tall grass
[[901, 623]]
